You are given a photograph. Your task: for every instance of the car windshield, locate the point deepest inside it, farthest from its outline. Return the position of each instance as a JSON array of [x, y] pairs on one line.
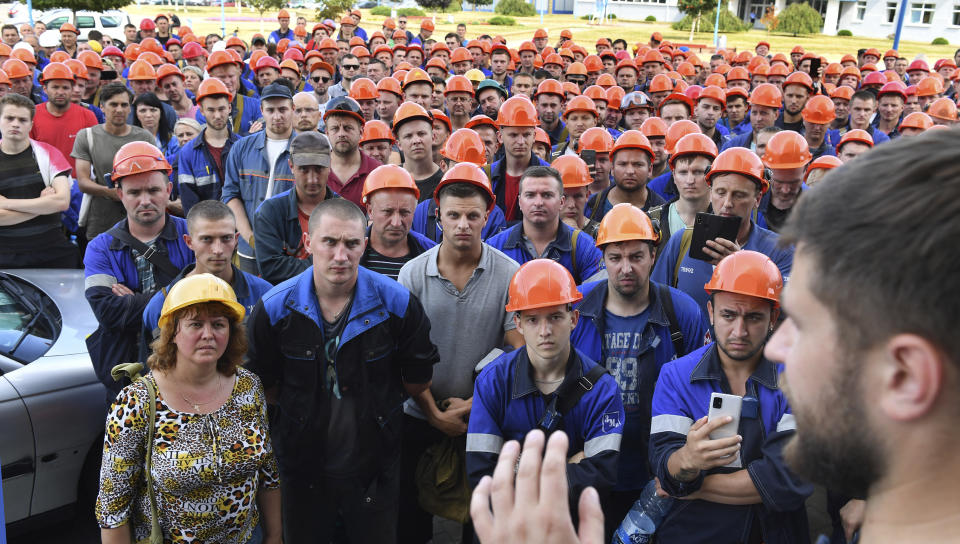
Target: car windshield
[[27, 325]]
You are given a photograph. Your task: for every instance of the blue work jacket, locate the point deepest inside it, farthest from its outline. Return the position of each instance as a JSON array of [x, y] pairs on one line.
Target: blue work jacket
[[656, 349], [246, 110], [682, 397], [279, 237], [197, 174], [507, 405], [425, 221], [582, 263]]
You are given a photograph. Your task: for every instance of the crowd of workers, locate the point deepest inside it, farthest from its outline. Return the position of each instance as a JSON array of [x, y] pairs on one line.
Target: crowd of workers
[[360, 263]]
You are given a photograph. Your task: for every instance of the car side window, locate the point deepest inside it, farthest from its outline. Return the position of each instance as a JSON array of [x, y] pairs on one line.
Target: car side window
[[109, 22], [85, 21]]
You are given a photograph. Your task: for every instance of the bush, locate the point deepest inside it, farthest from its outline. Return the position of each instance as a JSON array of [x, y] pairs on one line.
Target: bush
[[501, 20], [940, 41], [799, 19], [844, 32], [409, 12], [650, 19], [609, 16], [382, 11], [517, 8], [728, 22]]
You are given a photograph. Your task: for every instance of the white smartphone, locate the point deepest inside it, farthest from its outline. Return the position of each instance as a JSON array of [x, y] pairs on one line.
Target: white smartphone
[[722, 405]]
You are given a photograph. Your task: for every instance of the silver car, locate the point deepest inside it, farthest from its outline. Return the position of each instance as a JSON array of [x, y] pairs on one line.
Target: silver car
[[52, 407]]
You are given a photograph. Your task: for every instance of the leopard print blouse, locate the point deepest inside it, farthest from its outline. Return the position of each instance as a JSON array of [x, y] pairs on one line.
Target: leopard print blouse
[[207, 468]]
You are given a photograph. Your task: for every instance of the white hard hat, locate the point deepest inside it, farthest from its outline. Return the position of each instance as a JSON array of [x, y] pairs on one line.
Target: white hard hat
[[49, 38]]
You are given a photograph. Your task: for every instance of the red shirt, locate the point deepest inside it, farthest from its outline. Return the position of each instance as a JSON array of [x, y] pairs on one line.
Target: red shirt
[[60, 132], [352, 189], [304, 220], [511, 192]]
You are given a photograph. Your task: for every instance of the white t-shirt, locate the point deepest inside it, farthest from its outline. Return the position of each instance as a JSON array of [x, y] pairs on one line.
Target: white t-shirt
[[274, 149]]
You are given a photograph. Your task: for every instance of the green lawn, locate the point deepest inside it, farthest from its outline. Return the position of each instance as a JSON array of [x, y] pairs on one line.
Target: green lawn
[[204, 19]]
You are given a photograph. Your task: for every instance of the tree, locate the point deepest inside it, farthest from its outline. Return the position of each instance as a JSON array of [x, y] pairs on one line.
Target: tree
[[262, 6], [799, 19], [434, 5], [80, 5], [332, 9], [694, 8]]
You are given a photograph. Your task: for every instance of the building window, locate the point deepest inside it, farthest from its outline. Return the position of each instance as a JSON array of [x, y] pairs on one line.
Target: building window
[[956, 15], [892, 11], [922, 14], [861, 9]]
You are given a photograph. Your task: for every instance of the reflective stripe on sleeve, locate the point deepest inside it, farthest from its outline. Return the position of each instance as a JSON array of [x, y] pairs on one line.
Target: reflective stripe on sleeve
[[484, 443], [600, 444], [99, 280], [669, 423], [787, 423]]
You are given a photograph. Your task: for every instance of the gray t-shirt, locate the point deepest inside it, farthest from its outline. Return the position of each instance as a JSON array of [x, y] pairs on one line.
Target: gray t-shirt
[[464, 325], [105, 212]]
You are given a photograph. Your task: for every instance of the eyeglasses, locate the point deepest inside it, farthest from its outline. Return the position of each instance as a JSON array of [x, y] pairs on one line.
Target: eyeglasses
[[318, 79], [351, 66]]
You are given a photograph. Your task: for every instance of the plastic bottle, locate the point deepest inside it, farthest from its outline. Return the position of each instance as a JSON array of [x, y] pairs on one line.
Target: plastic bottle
[[641, 522]]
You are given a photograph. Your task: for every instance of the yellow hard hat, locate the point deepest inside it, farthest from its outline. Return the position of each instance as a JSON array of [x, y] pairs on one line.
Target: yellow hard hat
[[474, 75], [196, 290]]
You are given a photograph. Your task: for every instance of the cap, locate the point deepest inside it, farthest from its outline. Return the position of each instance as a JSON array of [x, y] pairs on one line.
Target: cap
[[310, 148], [276, 90]]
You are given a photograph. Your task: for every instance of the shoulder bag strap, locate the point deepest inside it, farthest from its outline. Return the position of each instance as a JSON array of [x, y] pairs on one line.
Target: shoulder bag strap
[[685, 241], [676, 335], [156, 534], [156, 258]]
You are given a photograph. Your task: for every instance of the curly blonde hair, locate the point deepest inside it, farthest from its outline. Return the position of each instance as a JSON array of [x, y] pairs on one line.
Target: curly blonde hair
[[164, 351]]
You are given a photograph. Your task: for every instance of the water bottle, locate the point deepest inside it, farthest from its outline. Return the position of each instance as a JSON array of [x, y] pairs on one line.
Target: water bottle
[[643, 519]]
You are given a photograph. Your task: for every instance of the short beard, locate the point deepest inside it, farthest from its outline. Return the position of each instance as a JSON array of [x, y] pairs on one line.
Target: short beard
[[833, 445]]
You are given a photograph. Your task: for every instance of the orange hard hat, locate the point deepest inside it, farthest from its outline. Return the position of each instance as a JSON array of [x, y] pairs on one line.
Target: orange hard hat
[[290, 64], [778, 70], [851, 71], [573, 171], [327, 43], [715, 80], [56, 70], [596, 139], [929, 86], [265, 62], [459, 84], [833, 69], [606, 81], [60, 56], [625, 222], [24, 55], [632, 139], [843, 92], [68, 27], [694, 143], [944, 109], [742, 161], [410, 111], [856, 135], [570, 87], [461, 54], [284, 14], [714, 93], [686, 69], [554, 58], [542, 283], [550, 86], [439, 116], [467, 172], [388, 176], [749, 273], [596, 93], [615, 95], [678, 130], [131, 52], [799, 78], [628, 63], [5, 80], [654, 127], [168, 70], [917, 120], [90, 59], [389, 85], [592, 63], [766, 94], [416, 75], [465, 145], [868, 69], [541, 137], [154, 59], [16, 69], [212, 86], [661, 83], [819, 109], [540, 33], [527, 46], [519, 111], [738, 73], [893, 87], [141, 70], [580, 103], [787, 149], [78, 69], [823, 162], [137, 158], [653, 56], [363, 89], [219, 58]]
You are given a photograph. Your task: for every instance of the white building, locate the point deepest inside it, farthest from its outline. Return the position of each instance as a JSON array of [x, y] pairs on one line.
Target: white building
[[923, 21]]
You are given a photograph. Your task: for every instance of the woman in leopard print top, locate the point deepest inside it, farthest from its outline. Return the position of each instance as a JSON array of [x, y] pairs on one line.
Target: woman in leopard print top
[[214, 471]]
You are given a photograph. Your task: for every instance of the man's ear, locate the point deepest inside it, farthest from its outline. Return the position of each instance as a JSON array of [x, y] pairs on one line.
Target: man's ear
[[911, 377]]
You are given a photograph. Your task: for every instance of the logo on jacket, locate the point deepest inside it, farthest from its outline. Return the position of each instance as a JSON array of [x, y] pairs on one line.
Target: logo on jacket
[[611, 421]]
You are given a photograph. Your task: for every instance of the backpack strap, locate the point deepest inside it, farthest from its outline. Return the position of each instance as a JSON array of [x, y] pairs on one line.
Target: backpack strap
[[676, 335], [573, 253], [238, 118], [601, 197], [433, 228], [150, 253], [685, 241], [566, 397]]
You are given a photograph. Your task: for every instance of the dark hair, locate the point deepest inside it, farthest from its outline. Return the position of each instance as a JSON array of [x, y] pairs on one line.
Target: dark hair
[[19, 101], [377, 61], [462, 190], [716, 56], [620, 40], [540, 73], [347, 56], [863, 95], [736, 97], [9, 27], [451, 35], [541, 172], [286, 83], [518, 75], [461, 24], [94, 35], [110, 90], [340, 208], [773, 129], [163, 128], [882, 245], [500, 52], [439, 81], [128, 25], [210, 210]]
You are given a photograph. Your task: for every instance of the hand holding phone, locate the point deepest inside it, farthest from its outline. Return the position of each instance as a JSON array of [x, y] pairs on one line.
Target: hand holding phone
[[710, 227], [726, 408], [589, 156]]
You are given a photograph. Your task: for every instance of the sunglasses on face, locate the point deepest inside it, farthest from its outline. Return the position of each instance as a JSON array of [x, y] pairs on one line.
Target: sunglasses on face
[[318, 79], [351, 66]]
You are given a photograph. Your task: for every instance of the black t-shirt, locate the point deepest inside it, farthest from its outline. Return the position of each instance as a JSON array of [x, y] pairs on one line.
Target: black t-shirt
[[775, 217], [380, 263], [20, 179], [428, 185]]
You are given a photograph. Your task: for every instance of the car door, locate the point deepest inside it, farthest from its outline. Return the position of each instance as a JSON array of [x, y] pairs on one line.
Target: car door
[[17, 465]]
